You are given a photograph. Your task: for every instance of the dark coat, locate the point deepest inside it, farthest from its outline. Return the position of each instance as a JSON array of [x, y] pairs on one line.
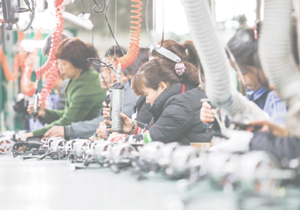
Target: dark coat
[[142, 110], [177, 116]]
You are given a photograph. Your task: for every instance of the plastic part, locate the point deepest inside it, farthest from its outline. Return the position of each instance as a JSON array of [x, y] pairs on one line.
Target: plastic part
[[81, 20], [50, 69], [213, 59], [134, 47]]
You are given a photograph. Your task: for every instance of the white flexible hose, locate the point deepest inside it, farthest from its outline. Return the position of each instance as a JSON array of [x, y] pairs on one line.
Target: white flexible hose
[[213, 58], [275, 48]]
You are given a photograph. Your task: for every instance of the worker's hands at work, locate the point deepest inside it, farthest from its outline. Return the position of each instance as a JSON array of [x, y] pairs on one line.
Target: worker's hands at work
[[206, 113], [41, 112], [106, 110], [127, 123], [25, 136], [55, 131], [101, 130], [277, 130]]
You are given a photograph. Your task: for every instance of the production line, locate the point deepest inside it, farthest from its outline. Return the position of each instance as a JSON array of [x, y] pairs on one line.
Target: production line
[[177, 159]]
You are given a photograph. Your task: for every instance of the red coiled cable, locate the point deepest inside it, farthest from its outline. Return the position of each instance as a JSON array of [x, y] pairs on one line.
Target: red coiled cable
[[18, 61], [50, 69], [134, 47]]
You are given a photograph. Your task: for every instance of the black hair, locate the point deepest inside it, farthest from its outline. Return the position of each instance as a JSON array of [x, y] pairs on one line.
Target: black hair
[[115, 51], [142, 58], [47, 46]]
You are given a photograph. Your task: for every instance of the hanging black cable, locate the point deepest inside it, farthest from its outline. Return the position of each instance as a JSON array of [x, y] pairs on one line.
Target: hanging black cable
[[111, 32], [99, 6], [32, 10], [95, 61], [147, 25], [83, 7]]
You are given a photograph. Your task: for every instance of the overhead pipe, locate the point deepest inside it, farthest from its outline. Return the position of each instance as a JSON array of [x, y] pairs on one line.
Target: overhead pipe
[[277, 59]]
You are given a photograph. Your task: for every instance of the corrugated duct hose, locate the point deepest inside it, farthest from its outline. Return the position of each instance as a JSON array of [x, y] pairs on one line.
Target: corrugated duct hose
[[277, 59], [212, 56]]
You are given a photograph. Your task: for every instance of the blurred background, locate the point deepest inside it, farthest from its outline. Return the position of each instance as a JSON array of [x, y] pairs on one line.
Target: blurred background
[[165, 16]]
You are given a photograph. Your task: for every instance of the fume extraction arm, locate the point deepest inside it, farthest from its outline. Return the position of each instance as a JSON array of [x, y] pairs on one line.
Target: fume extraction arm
[[277, 59], [213, 58]]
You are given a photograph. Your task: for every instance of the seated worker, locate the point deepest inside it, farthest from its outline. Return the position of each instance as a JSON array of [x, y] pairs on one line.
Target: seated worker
[[244, 48], [85, 129], [84, 95], [175, 111], [141, 109], [186, 52]]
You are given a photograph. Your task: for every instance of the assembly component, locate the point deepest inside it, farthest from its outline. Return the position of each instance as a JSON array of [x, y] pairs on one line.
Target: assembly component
[[80, 146], [181, 159], [259, 171], [150, 152], [121, 152], [102, 151], [5, 145], [165, 154]]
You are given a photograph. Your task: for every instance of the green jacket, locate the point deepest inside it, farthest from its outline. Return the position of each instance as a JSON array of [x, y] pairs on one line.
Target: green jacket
[[84, 98]]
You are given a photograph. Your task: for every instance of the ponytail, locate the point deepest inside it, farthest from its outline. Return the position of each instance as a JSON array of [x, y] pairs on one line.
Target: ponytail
[[152, 73]]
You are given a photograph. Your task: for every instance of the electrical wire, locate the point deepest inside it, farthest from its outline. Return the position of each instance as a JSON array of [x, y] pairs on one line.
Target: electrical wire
[[90, 60], [147, 25], [108, 24], [83, 7], [99, 6], [96, 61]]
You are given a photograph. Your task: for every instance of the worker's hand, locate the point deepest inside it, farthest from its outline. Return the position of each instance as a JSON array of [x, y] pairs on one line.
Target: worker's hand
[[106, 110], [206, 113], [127, 123], [55, 131], [41, 112], [277, 130], [101, 130], [25, 136]]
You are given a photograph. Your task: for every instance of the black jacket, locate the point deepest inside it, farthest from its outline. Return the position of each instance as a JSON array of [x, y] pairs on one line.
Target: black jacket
[[142, 110], [177, 116]]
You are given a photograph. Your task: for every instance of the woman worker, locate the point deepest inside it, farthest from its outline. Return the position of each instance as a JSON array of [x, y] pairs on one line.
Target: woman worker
[[84, 95]]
